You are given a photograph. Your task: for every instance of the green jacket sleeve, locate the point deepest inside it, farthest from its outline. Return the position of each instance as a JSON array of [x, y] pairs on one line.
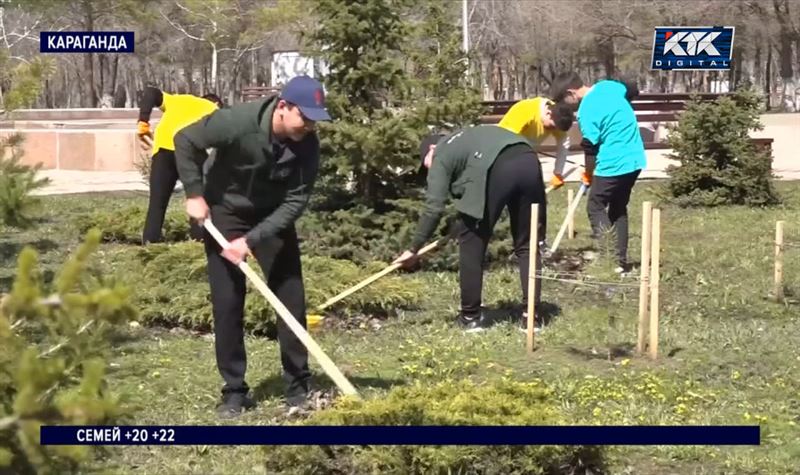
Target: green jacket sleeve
[[215, 130], [296, 201], [435, 200]]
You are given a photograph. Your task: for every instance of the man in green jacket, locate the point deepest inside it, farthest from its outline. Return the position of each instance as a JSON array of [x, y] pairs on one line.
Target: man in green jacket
[[486, 168], [258, 186]]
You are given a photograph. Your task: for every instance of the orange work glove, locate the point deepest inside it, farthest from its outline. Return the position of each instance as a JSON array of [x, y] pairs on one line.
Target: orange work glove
[[557, 181], [587, 179], [142, 128], [145, 137]]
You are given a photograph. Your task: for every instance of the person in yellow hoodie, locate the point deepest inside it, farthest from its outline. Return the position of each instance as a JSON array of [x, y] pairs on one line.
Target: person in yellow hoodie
[[539, 118], [179, 111]]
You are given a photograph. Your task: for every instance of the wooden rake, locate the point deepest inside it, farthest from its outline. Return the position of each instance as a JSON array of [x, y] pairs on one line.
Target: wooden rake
[[327, 364]]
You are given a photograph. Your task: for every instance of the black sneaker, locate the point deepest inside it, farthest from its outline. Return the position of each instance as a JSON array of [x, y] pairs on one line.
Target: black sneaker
[[623, 269], [234, 404], [297, 393], [470, 324], [297, 400], [523, 324]]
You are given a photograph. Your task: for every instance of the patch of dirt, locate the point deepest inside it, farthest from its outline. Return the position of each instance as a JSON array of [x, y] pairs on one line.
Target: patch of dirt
[[567, 262], [352, 322], [317, 401]]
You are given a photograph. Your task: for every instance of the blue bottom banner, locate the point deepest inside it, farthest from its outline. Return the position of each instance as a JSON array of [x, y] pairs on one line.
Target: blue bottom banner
[[400, 435]]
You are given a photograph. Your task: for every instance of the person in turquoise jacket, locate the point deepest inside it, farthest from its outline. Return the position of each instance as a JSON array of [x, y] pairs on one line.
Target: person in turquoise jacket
[[613, 148]]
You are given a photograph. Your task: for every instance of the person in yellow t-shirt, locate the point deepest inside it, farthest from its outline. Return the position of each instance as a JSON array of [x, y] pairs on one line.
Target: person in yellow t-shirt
[[180, 110], [539, 118]]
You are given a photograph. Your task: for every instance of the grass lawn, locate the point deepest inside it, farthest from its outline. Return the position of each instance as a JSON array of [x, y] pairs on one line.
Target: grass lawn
[[729, 355]]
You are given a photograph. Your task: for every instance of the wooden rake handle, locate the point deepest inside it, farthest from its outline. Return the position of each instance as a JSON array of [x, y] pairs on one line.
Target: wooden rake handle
[[570, 213], [327, 364], [371, 279]]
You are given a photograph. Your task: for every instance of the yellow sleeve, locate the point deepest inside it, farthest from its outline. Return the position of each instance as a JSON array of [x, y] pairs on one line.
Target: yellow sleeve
[[180, 110], [166, 101]]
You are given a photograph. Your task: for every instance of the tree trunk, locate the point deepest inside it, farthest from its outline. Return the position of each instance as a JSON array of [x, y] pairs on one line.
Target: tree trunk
[[114, 75], [67, 89], [497, 78], [769, 77], [735, 73], [233, 82], [88, 58], [214, 60], [511, 73], [797, 53], [786, 66], [103, 63], [188, 68], [48, 98], [130, 100], [608, 56], [253, 67], [757, 67]]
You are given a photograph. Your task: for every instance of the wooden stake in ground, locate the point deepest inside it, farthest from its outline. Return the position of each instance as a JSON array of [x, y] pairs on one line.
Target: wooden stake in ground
[[327, 365], [644, 269], [534, 251], [778, 292], [654, 281], [571, 222]]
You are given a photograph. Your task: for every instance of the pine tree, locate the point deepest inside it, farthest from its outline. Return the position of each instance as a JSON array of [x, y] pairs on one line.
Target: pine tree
[[53, 343], [362, 43], [444, 98], [17, 180], [390, 80], [719, 164]]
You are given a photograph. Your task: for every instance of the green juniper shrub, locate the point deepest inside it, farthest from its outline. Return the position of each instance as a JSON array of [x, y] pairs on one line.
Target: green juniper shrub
[[718, 163], [172, 287], [125, 225], [361, 234], [447, 403]]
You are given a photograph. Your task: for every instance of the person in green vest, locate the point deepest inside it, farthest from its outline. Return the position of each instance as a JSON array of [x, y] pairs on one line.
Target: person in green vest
[[486, 169]]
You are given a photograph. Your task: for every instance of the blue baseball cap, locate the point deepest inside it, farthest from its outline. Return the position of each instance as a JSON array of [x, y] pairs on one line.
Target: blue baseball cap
[[306, 93]]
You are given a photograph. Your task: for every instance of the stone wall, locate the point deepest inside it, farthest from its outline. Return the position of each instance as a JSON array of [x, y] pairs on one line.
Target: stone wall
[[105, 139]]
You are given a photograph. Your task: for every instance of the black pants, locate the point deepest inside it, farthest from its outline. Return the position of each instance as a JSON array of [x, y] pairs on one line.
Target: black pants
[[515, 182], [607, 207], [163, 177], [279, 259]]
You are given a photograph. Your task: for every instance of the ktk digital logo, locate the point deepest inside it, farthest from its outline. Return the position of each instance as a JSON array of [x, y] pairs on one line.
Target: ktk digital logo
[[692, 48]]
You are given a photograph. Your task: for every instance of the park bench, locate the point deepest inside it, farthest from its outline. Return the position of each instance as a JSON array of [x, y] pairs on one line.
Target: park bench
[[657, 109], [251, 93]]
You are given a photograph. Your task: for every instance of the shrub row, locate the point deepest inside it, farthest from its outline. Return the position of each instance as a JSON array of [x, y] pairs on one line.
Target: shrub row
[[448, 403], [170, 287], [359, 234]]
